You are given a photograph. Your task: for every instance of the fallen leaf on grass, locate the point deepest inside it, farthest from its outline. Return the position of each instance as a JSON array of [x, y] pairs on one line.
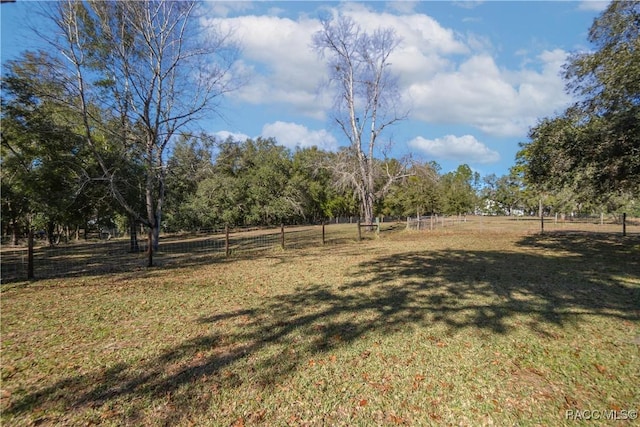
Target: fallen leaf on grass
[[384, 388], [363, 402], [417, 380], [571, 402], [108, 414], [395, 419], [258, 416], [293, 419], [602, 369]]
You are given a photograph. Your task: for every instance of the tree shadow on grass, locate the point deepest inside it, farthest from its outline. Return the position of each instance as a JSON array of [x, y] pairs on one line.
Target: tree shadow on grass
[[549, 281], [556, 278]]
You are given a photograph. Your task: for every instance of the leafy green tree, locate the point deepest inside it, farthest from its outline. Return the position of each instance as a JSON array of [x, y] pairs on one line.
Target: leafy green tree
[[252, 184], [219, 200], [418, 193], [458, 193], [271, 200], [41, 156], [145, 65], [314, 181], [190, 163], [593, 149], [502, 195]]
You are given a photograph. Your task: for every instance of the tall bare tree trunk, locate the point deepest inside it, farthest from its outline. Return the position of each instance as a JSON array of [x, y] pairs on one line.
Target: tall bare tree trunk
[[366, 98]]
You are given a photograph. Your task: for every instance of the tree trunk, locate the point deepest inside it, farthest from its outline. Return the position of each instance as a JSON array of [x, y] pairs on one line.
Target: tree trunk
[[367, 208], [158, 216], [50, 233]]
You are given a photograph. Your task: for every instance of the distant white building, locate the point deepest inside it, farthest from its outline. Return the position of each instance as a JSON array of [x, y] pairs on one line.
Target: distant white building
[[491, 207]]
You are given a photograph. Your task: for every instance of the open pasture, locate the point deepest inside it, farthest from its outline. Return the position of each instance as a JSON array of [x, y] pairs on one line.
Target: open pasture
[[467, 325]]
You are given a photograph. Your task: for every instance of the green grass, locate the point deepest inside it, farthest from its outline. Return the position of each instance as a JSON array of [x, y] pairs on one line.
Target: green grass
[[469, 325]]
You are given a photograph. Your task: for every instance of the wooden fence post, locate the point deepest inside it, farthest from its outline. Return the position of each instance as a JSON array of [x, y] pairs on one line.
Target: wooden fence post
[[282, 236], [541, 211], [624, 224], [323, 241], [226, 240], [359, 232], [150, 248], [30, 274]]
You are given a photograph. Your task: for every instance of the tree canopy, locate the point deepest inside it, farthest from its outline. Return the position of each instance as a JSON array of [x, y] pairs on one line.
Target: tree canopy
[[594, 146]]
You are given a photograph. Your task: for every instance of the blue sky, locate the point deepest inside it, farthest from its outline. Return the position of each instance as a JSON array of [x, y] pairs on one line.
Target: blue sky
[[474, 75]]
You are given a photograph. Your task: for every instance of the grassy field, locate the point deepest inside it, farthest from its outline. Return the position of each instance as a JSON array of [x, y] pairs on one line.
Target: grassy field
[[467, 325]]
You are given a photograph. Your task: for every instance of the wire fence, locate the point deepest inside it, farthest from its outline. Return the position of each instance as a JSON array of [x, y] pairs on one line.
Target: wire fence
[[610, 224], [433, 222], [99, 256]]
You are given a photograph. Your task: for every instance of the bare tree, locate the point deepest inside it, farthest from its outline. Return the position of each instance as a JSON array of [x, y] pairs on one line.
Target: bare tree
[[148, 66], [366, 103]]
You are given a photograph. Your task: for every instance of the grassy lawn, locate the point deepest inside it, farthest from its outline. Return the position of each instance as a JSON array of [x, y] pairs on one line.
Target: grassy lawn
[[468, 325]]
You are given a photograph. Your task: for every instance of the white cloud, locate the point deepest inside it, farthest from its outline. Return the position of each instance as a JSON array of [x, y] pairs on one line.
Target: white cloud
[[464, 148], [222, 135], [593, 5], [224, 8], [444, 77], [294, 135], [277, 61], [470, 4], [402, 6], [497, 101], [417, 30], [281, 67]]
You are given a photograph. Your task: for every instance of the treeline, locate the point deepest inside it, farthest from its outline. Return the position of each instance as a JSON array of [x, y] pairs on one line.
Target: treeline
[[258, 182], [211, 184]]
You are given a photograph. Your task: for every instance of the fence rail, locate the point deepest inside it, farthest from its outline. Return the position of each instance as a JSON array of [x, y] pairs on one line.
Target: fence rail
[[107, 256], [433, 222]]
